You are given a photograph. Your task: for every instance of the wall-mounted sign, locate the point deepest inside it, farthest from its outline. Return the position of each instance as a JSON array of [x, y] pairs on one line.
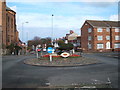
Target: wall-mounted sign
[[65, 54]]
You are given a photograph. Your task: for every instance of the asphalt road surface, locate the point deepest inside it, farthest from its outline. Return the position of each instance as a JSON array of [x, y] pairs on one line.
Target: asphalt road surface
[[16, 74]]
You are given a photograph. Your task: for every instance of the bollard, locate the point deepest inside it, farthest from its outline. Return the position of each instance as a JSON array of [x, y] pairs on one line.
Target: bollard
[[50, 58], [37, 54]]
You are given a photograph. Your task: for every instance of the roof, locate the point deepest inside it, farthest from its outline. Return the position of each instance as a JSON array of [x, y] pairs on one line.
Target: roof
[[9, 9], [96, 23], [112, 23], [72, 36]]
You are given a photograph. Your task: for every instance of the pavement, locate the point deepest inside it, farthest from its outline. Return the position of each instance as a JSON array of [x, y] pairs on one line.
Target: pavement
[[62, 62]]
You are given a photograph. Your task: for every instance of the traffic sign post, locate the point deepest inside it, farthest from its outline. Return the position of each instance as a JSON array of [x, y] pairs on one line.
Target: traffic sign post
[[38, 50], [50, 50], [50, 58]]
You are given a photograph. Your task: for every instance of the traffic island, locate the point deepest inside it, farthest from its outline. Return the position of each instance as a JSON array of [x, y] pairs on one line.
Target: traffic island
[[61, 62]]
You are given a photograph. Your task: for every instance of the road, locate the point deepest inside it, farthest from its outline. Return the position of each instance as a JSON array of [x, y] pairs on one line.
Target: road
[[16, 74]]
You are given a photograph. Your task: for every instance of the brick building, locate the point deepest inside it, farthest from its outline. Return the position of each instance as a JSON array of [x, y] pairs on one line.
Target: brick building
[[3, 21], [8, 25], [11, 32], [74, 38], [100, 36]]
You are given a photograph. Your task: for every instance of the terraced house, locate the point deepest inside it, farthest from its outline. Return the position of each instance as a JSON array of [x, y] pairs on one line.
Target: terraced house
[[100, 36]]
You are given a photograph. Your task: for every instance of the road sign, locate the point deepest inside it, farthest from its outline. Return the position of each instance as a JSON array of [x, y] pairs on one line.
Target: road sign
[[39, 53], [50, 50], [38, 47], [65, 54], [38, 50]]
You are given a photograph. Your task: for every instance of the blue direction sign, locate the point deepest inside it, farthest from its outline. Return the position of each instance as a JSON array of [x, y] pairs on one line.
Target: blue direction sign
[[50, 50]]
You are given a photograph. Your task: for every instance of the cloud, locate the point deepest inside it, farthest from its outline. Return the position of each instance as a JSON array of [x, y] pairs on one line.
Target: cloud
[[41, 24], [114, 18], [67, 16], [44, 20], [102, 4]]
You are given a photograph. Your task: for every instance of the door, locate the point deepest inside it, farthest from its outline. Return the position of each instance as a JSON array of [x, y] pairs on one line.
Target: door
[[108, 45]]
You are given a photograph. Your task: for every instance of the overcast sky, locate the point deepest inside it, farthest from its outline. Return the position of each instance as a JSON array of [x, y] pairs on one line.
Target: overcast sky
[[67, 16]]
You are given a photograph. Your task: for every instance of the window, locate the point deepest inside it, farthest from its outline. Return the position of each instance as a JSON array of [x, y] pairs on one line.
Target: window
[[89, 46], [89, 30], [99, 46], [89, 38], [100, 37], [108, 29], [117, 45], [117, 37], [99, 29], [107, 37], [12, 23], [117, 30]]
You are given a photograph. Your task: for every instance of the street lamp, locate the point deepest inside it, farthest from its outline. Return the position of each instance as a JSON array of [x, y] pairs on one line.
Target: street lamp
[[23, 29], [52, 30], [24, 51]]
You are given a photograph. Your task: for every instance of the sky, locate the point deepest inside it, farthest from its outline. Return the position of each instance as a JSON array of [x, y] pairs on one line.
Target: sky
[[68, 16]]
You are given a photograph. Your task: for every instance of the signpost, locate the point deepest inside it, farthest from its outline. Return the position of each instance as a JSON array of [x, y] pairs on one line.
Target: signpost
[[50, 50], [38, 50]]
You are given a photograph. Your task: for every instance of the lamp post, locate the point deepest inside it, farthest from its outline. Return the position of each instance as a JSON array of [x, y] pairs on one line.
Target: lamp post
[[23, 29], [24, 50], [52, 31]]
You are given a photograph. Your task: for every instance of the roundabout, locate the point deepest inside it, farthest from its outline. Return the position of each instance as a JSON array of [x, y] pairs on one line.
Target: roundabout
[[62, 62]]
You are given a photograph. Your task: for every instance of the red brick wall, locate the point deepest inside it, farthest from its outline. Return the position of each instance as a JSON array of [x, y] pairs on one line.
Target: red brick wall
[[4, 23], [10, 27], [113, 37], [104, 33], [84, 36]]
